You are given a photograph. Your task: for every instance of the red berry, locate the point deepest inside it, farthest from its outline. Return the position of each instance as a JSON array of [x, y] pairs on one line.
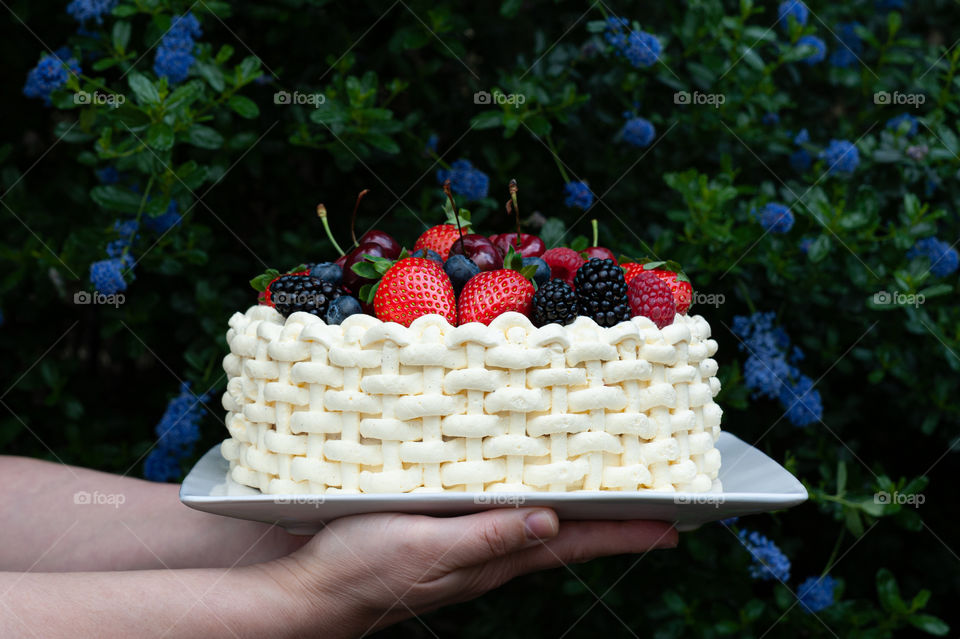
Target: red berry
[[479, 249], [682, 290], [391, 248], [439, 239], [651, 297], [530, 245], [599, 252], [563, 262], [630, 270], [492, 293], [414, 287]]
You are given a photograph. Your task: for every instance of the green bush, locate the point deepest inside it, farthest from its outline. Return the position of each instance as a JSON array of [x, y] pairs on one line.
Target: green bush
[[729, 94]]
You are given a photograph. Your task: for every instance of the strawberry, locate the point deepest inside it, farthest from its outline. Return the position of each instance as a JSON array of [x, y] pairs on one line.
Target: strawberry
[[650, 297], [492, 293], [414, 287], [439, 239], [630, 270], [563, 262], [680, 287]]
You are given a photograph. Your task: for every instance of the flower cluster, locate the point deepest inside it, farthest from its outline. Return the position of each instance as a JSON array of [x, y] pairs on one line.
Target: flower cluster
[[943, 257], [638, 131], [465, 180], [51, 73], [770, 369], [107, 276], [175, 53], [849, 45], [83, 10], [819, 49], [177, 433], [769, 562], [816, 593], [578, 195], [774, 217], [792, 8], [641, 49], [162, 223], [904, 124], [841, 156]]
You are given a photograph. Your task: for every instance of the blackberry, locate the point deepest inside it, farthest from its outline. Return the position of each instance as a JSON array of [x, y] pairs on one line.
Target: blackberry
[[292, 293], [602, 292], [554, 303]]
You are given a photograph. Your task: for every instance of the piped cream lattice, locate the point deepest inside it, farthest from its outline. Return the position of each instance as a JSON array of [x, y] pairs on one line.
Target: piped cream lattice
[[374, 407]]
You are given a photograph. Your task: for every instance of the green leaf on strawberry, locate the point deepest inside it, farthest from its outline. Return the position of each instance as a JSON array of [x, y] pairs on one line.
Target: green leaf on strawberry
[[367, 292], [260, 282]]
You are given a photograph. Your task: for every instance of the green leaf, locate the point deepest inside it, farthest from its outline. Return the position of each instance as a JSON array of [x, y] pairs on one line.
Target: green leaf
[[579, 243], [104, 63], [244, 107], [365, 269], [367, 292], [249, 69], [184, 95], [889, 593], [510, 8], [487, 120], [115, 198], [819, 249], [124, 10], [212, 74], [929, 624], [204, 137], [260, 282], [841, 477], [383, 142], [160, 136], [121, 36], [191, 174], [143, 89], [853, 521], [553, 231]]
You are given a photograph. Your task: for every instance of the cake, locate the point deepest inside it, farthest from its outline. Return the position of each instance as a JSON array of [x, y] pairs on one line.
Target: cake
[[375, 407]]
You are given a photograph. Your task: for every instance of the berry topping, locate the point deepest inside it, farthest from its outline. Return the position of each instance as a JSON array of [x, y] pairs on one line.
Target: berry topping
[[439, 239], [563, 262], [492, 293], [542, 275], [479, 249], [599, 252], [460, 269], [413, 287], [301, 293], [352, 280], [680, 287], [530, 245], [554, 302], [630, 270], [391, 248], [602, 292], [651, 297], [428, 254], [328, 272], [341, 308]]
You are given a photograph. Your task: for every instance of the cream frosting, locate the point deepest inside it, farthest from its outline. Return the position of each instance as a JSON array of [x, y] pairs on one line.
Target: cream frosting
[[372, 406]]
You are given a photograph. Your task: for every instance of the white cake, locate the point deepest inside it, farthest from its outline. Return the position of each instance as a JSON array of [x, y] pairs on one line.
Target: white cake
[[375, 407]]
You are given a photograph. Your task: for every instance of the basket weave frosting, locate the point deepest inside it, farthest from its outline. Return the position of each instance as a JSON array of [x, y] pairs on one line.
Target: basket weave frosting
[[375, 407]]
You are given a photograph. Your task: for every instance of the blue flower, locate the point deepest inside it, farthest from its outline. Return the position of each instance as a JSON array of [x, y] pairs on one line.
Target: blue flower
[[175, 53], [896, 124], [794, 8], [816, 593], [765, 372], [120, 249], [126, 229], [641, 49], [820, 49], [578, 195], [801, 160], [841, 156], [51, 73], [165, 221], [849, 45], [769, 562], [107, 276], [802, 402], [802, 137], [729, 521], [770, 118], [161, 465], [805, 244], [465, 180], [177, 433], [775, 217], [108, 175], [943, 258], [431, 146], [83, 10], [638, 132]]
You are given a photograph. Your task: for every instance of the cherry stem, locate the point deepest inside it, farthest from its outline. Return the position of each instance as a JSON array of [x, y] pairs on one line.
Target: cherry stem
[[516, 210], [595, 233], [353, 218], [456, 212], [322, 214]]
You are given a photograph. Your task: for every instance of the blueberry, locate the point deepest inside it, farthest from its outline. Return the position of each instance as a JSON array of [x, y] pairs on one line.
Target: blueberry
[[328, 272], [459, 269], [430, 255], [542, 274], [342, 308]]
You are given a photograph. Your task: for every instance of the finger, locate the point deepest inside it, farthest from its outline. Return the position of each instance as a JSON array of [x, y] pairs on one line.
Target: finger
[[474, 539]]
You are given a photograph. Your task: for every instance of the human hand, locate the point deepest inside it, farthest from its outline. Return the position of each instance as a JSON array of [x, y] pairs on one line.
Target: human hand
[[366, 572]]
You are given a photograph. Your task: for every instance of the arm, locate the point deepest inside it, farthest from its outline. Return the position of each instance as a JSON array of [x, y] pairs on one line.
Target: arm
[[138, 524]]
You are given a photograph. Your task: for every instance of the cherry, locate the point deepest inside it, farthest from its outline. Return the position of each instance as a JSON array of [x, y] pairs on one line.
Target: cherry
[[391, 248], [599, 252], [341, 260], [351, 281], [530, 245], [479, 249]]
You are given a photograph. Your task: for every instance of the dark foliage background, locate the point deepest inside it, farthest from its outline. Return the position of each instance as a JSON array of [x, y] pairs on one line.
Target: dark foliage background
[[86, 384]]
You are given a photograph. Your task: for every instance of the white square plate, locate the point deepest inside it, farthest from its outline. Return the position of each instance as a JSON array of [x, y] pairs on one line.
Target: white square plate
[[752, 483]]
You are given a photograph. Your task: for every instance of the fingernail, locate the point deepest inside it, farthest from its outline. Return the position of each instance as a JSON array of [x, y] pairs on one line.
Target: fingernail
[[539, 525]]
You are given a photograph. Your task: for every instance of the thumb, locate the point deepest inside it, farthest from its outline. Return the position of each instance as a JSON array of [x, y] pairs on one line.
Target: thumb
[[469, 540]]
